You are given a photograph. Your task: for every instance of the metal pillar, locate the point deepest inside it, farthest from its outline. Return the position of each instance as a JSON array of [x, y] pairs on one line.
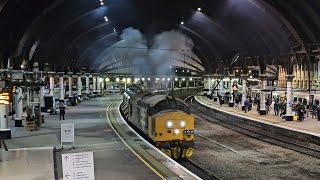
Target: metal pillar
[[4, 114], [28, 96], [61, 88], [244, 90], [221, 88], [51, 81], [180, 83], [289, 116], [42, 92], [102, 85], [94, 84], [263, 110], [18, 107], [70, 86], [98, 84], [79, 84], [87, 85]]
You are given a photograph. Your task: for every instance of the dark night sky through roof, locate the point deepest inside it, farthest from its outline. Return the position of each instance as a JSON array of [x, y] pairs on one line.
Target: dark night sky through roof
[[74, 32]]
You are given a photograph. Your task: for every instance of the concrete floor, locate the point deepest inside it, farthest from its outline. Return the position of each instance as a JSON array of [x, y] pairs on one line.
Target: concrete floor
[[113, 160], [35, 164]]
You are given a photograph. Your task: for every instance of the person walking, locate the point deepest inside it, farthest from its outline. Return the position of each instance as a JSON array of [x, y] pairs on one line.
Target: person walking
[[62, 110]]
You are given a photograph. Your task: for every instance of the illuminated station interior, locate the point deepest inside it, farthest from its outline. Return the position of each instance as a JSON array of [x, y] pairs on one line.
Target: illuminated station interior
[[162, 89]]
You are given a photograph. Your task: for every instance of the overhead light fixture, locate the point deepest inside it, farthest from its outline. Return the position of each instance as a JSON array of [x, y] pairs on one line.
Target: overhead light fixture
[[101, 3], [199, 9], [182, 23], [114, 30], [106, 18]]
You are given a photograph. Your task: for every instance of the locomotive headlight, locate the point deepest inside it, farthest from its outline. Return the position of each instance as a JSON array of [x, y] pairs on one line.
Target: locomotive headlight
[[176, 131], [169, 124], [182, 124]]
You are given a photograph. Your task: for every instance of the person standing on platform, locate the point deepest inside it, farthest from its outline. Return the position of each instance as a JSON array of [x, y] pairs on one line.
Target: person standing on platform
[[318, 112], [62, 110], [314, 111], [276, 108], [246, 105]]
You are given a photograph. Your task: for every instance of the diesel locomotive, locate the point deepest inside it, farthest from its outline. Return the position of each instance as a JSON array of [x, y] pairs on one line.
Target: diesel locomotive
[[162, 119]]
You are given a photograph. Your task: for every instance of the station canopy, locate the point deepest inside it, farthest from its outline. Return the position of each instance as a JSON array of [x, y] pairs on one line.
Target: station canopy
[[152, 37]]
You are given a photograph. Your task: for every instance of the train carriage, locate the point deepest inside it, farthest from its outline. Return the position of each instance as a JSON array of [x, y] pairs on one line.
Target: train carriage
[[165, 120]]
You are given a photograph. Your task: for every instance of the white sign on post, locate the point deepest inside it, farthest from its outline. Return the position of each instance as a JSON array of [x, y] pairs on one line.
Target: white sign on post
[[67, 132], [78, 166]]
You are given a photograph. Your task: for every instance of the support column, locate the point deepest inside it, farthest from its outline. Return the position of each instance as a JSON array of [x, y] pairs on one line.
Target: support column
[[42, 92], [79, 85], [61, 87], [18, 107], [244, 90], [263, 110], [70, 86], [231, 103], [51, 81], [180, 83], [94, 84], [87, 85], [221, 86], [289, 116], [98, 84], [28, 96], [102, 85], [4, 114]]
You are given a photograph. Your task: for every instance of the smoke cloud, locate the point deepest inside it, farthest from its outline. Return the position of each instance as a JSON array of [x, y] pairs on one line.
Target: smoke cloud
[[165, 48]]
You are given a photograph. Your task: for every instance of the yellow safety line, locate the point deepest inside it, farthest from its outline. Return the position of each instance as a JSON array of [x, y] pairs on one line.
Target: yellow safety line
[[262, 118], [125, 143]]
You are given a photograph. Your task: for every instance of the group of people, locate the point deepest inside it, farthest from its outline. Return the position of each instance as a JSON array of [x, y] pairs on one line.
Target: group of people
[[279, 106]]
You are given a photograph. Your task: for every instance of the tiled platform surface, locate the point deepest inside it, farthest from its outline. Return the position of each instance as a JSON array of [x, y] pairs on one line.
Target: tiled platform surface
[[34, 163], [308, 126]]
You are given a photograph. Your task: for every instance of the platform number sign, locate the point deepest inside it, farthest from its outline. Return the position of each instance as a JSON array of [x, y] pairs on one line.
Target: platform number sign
[[67, 132], [78, 166]]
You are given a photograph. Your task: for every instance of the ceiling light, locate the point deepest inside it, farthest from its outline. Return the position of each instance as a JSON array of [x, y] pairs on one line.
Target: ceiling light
[[182, 23], [106, 18], [101, 3], [199, 9]]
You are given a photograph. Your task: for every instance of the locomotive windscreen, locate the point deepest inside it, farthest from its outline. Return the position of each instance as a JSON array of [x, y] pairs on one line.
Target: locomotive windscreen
[[167, 104]]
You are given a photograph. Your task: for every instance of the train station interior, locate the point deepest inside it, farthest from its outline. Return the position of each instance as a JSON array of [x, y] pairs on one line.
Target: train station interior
[[162, 89]]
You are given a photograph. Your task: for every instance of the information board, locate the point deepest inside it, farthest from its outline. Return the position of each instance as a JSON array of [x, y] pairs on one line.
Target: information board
[[67, 132], [78, 166]]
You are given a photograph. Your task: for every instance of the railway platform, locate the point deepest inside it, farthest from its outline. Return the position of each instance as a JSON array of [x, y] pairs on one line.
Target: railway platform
[[302, 137], [37, 154], [309, 125]]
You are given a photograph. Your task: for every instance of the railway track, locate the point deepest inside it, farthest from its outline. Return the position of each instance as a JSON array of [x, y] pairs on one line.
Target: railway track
[[196, 169], [200, 111]]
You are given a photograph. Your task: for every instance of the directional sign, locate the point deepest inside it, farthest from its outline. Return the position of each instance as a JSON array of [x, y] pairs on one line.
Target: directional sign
[[78, 166], [67, 132]]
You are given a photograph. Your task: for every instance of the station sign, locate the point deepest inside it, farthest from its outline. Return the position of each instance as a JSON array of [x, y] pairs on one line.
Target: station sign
[[78, 166], [67, 132]]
